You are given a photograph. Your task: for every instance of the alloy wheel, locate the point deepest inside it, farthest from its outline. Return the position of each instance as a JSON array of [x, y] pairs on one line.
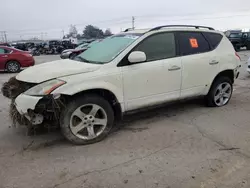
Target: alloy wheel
[[222, 94], [88, 121]]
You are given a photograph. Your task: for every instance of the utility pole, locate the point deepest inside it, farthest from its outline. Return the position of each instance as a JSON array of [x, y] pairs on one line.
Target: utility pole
[[133, 22], [43, 35], [62, 33], [5, 36], [2, 39]]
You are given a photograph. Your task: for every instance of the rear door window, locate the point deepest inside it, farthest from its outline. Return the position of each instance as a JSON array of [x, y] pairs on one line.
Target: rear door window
[[192, 43], [213, 38]]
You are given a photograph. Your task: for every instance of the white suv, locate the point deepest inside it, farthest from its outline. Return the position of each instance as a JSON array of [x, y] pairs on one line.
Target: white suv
[[125, 72]]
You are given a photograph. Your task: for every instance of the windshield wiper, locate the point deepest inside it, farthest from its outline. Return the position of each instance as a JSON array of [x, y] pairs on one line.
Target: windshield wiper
[[82, 59], [87, 61]]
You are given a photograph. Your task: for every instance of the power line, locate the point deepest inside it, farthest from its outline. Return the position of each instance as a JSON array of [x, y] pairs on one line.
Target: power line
[[78, 24], [113, 20], [207, 18], [116, 21], [128, 22]]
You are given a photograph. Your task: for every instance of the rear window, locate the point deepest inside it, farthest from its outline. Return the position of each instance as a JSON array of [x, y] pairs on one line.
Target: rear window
[[235, 35], [192, 43], [213, 38]]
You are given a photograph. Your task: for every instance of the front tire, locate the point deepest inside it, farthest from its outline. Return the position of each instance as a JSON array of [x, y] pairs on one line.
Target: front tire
[[220, 93], [13, 66], [87, 120]]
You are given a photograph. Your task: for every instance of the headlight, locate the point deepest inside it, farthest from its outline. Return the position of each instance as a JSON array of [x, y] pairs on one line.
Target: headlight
[[45, 88]]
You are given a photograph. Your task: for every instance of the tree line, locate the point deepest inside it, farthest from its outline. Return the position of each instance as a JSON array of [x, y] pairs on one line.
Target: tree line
[[89, 32]]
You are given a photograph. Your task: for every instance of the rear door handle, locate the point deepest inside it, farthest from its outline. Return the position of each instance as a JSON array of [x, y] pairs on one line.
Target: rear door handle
[[213, 62], [4, 56], [173, 68]]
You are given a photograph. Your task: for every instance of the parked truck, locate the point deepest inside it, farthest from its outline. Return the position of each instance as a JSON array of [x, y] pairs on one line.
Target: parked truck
[[239, 39]]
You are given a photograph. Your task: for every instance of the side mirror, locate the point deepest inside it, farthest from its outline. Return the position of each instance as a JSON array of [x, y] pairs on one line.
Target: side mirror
[[137, 57]]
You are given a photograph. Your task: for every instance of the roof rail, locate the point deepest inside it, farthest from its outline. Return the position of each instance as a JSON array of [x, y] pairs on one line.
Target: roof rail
[[195, 26]]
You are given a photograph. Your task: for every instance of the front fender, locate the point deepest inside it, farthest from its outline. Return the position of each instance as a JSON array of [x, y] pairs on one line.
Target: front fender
[[72, 89]]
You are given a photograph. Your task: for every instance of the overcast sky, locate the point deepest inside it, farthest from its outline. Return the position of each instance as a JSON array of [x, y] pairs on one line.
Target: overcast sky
[[29, 18]]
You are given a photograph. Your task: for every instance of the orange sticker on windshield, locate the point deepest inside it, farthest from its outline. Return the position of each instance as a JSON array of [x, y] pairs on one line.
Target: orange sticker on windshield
[[194, 43]]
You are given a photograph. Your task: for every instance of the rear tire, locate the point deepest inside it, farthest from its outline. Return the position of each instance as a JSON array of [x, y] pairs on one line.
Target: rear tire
[[248, 47], [87, 120], [220, 92], [237, 48], [13, 66]]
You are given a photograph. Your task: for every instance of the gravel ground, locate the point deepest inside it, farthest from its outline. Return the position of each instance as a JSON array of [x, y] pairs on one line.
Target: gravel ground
[[180, 145]]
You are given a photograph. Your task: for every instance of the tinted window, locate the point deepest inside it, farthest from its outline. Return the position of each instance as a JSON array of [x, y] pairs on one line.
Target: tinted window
[[192, 43], [235, 35], [213, 38], [159, 46], [2, 51]]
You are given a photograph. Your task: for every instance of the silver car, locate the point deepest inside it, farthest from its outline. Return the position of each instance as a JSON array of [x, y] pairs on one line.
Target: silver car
[[71, 53]]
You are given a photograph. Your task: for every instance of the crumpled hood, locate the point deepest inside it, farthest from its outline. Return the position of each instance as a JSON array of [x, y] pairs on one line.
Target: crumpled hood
[[55, 69]]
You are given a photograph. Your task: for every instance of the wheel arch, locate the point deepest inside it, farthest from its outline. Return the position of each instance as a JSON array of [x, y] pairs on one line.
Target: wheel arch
[[106, 94], [226, 73], [5, 66]]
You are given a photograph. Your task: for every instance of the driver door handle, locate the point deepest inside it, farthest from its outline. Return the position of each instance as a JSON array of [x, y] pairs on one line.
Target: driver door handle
[[174, 68]]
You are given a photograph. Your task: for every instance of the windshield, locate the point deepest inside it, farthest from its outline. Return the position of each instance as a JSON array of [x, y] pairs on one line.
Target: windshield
[[235, 35], [107, 49]]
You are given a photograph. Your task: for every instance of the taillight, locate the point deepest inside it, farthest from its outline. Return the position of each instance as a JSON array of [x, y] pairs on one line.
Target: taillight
[[238, 56]]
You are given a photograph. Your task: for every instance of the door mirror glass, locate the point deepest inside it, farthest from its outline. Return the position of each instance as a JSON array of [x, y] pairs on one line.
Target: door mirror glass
[[137, 57]]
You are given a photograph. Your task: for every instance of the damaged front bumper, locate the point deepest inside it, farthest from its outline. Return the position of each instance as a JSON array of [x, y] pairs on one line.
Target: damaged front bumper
[[25, 102], [32, 110], [26, 106], [40, 109]]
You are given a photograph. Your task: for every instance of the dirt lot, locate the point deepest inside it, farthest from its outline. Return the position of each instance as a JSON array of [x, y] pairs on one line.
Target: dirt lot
[[182, 145]]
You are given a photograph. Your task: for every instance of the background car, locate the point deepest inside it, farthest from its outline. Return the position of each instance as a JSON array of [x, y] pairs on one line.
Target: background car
[[5, 44], [71, 53], [239, 40], [248, 65], [13, 60]]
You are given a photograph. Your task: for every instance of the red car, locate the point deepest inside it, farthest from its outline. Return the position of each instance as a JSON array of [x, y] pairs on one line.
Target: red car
[[13, 60]]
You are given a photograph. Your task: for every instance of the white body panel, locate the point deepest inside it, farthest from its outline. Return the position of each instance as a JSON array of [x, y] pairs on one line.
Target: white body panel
[[197, 73], [151, 83], [25, 102], [135, 85], [199, 70], [55, 69]]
